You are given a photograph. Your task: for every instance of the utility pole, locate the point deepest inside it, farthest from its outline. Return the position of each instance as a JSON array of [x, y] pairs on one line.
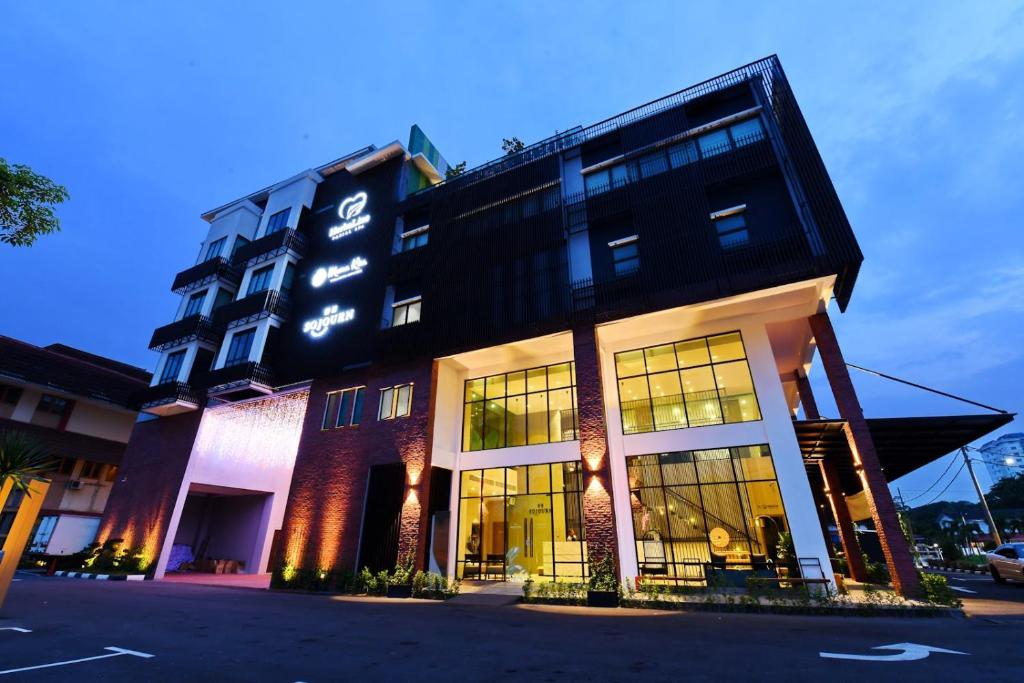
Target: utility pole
[[904, 515], [984, 503]]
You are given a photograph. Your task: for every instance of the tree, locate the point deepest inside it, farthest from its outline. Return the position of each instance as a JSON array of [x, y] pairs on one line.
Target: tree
[[1007, 493], [22, 460], [513, 146], [456, 170], [26, 204]]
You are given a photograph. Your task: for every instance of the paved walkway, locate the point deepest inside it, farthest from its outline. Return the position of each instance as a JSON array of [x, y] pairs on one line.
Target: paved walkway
[[261, 581]]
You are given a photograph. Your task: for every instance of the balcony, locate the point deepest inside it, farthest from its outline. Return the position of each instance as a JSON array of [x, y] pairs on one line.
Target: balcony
[[204, 273], [237, 382], [268, 247], [251, 308], [170, 398], [192, 328]]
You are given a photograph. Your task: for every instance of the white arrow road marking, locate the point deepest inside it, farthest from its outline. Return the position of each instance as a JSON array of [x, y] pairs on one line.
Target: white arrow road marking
[[16, 628], [115, 652], [962, 590], [910, 652]]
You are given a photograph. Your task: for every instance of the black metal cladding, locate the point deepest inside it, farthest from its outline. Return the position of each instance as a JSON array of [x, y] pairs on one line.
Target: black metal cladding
[[495, 267]]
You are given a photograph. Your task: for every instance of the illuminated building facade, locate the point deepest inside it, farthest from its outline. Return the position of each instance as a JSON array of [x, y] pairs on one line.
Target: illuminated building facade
[[595, 347]]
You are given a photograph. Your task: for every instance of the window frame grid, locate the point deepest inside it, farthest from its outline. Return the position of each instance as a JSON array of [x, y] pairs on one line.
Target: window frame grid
[[227, 356], [283, 225], [394, 402], [178, 356], [742, 497], [265, 275], [404, 305], [334, 422], [547, 390], [710, 364]]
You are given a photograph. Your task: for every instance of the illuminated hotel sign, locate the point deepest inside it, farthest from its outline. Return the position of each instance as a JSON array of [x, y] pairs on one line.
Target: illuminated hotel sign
[[331, 274], [318, 327], [351, 213]]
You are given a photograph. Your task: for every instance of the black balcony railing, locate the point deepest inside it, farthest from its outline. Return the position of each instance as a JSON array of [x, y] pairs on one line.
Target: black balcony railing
[[204, 273], [194, 327], [268, 247], [239, 376], [253, 307], [169, 392]]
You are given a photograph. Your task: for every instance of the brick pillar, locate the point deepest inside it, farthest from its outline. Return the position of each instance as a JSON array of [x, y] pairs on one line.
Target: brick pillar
[[803, 387], [865, 460], [841, 513], [598, 510]]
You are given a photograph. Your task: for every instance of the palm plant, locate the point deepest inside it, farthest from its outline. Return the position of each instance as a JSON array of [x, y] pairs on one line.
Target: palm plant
[[22, 460]]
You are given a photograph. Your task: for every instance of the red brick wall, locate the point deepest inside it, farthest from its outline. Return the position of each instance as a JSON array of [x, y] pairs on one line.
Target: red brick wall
[[142, 499], [325, 504], [598, 511]]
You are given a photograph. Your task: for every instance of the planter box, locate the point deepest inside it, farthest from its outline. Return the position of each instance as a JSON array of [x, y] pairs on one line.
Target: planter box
[[400, 591], [602, 598]]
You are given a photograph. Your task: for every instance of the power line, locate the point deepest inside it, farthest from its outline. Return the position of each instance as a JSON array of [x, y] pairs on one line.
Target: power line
[[921, 386], [962, 466], [925, 492]]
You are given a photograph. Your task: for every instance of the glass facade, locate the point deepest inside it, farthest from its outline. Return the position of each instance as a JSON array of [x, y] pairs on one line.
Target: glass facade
[[522, 521], [698, 512], [692, 383], [526, 407]]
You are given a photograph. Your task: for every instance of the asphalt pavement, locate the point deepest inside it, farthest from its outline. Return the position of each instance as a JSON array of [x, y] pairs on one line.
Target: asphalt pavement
[[159, 631]]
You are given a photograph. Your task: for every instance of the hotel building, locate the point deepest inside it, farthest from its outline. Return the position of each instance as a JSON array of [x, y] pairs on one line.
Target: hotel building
[[594, 347]]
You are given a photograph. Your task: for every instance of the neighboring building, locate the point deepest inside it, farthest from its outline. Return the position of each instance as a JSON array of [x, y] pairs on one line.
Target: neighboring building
[[1004, 457], [79, 407], [594, 347]]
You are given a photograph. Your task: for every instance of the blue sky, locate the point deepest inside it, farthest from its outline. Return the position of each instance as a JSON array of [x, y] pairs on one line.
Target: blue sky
[[151, 114]]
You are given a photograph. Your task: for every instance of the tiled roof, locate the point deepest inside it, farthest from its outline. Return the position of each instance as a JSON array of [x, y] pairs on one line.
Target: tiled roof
[[72, 371]]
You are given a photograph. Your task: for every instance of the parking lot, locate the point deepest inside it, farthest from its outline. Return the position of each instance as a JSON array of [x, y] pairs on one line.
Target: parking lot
[[158, 631]]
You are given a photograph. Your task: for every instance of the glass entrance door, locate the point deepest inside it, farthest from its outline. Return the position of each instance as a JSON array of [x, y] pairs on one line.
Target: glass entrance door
[[516, 522]]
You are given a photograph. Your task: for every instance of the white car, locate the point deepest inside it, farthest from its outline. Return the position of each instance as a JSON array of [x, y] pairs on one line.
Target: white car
[[1007, 562]]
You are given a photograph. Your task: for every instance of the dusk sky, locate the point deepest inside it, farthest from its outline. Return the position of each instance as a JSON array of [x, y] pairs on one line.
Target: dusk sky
[[153, 114]]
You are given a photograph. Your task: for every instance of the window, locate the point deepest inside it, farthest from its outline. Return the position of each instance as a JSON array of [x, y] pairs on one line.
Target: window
[[278, 221], [260, 280], [288, 281], [241, 345], [172, 366], [526, 407], [417, 237], [713, 143], [240, 242], [519, 522], [223, 297], [215, 248], [731, 226], [702, 514], [395, 402], [110, 473], [53, 405], [10, 395], [195, 304], [65, 466], [682, 154], [746, 132], [90, 470], [625, 256], [405, 311], [692, 383], [344, 408]]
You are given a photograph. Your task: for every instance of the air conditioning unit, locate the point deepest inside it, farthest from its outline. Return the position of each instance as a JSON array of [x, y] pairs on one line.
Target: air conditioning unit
[[75, 485]]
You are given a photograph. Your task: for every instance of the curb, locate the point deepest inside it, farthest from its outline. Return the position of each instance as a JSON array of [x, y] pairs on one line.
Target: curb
[[101, 577]]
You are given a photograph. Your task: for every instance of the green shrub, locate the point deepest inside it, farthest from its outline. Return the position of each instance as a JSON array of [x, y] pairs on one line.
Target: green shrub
[[936, 591], [603, 576], [403, 573]]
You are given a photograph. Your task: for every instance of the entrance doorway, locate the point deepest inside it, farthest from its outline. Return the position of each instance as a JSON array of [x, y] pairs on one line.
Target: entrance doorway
[[522, 521], [382, 517], [220, 531]]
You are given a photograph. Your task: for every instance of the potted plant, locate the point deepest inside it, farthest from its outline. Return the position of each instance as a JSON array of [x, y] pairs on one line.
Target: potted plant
[[603, 587], [400, 581]]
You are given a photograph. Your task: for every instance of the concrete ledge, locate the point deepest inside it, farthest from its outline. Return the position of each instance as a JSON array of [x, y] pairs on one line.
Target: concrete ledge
[[101, 577]]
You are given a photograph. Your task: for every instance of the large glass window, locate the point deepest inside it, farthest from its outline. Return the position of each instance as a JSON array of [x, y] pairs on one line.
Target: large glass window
[[344, 408], [215, 248], [278, 221], [520, 408], [239, 348], [690, 383], [195, 304], [172, 366], [260, 280], [522, 521], [698, 513]]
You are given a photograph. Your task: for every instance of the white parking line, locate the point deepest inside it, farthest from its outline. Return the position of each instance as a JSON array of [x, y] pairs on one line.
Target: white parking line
[[963, 590], [16, 628], [115, 652]]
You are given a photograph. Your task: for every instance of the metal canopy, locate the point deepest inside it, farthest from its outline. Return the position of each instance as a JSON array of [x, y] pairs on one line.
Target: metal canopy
[[903, 443]]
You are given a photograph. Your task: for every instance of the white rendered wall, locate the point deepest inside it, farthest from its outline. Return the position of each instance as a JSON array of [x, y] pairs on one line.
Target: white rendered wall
[[248, 447], [293, 194], [104, 422]]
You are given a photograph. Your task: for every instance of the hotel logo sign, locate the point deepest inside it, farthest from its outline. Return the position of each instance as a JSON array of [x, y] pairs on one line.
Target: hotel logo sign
[[350, 211], [318, 327], [331, 274]]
